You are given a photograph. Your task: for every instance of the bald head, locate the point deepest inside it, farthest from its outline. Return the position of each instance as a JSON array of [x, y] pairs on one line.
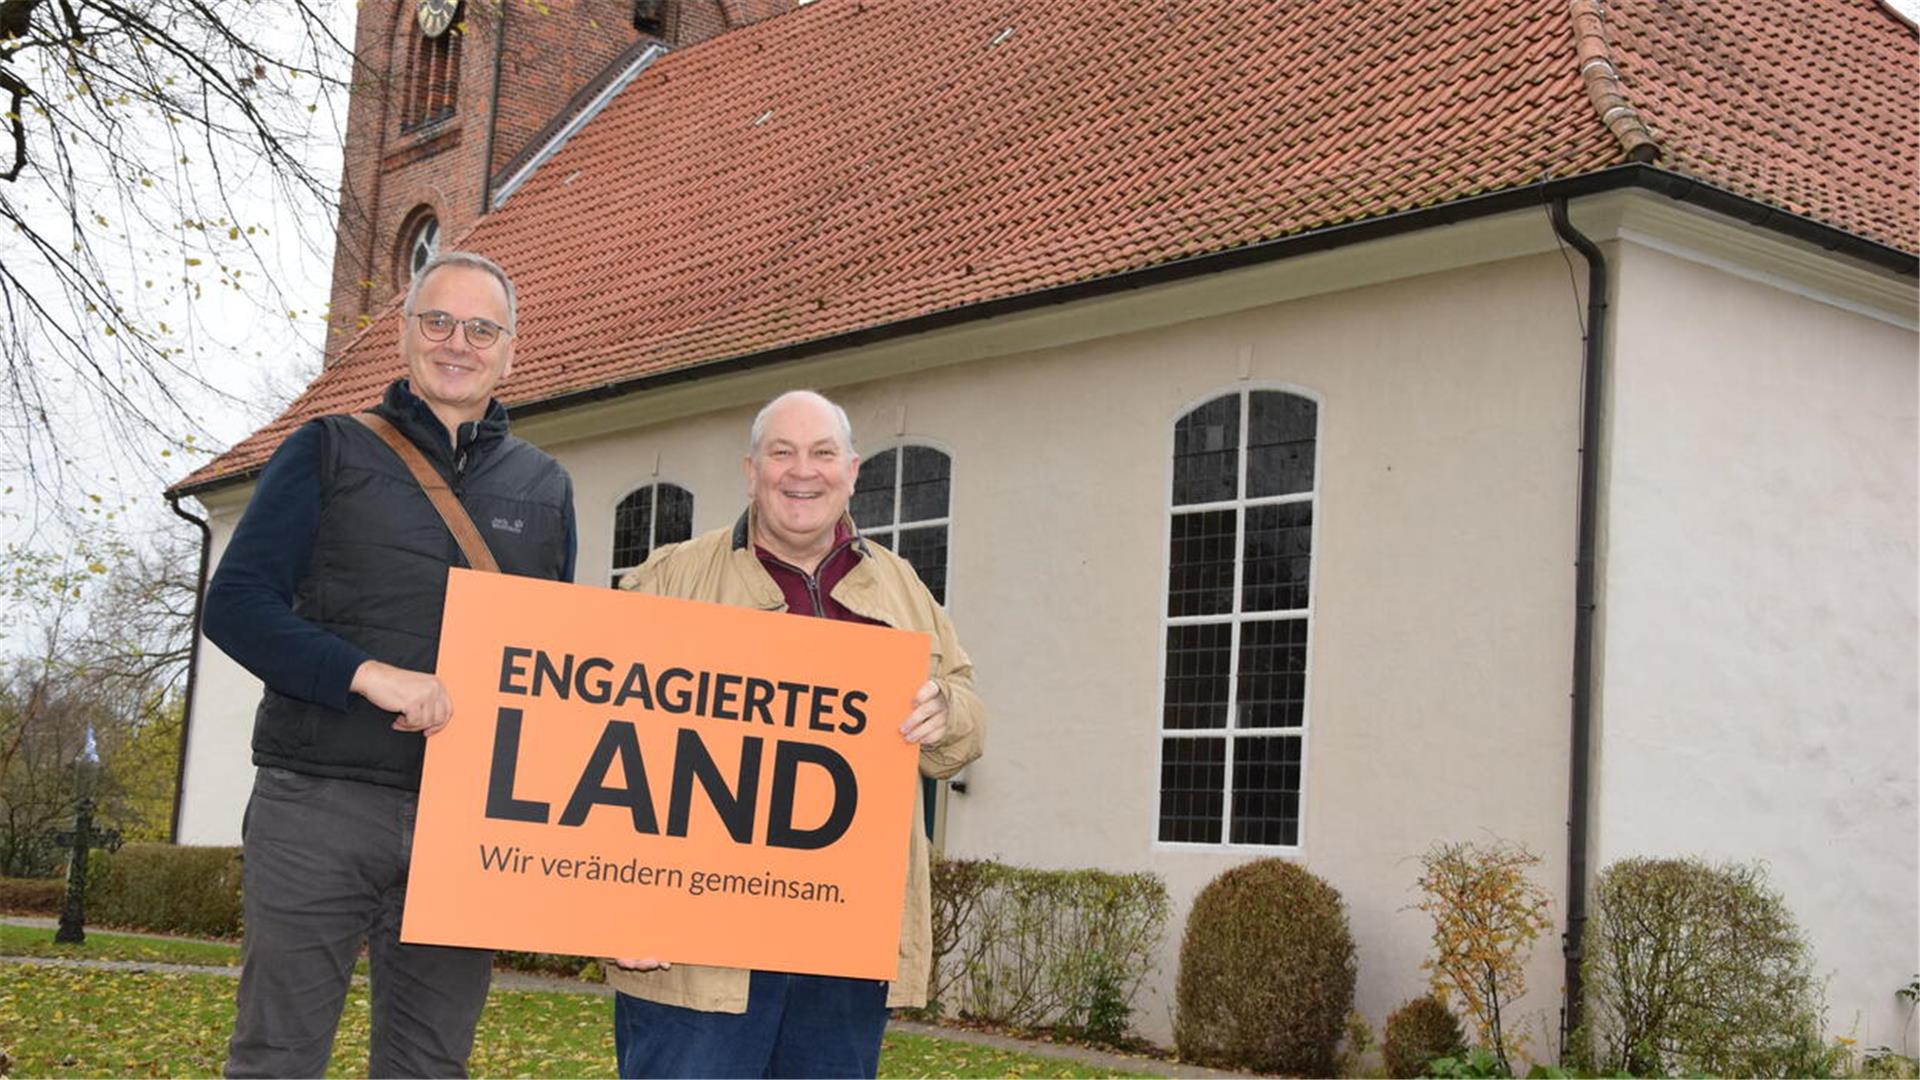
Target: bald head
[[799, 400]]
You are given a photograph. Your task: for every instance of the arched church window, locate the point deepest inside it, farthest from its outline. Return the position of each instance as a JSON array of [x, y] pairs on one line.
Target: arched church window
[[903, 500], [647, 518], [419, 241], [1239, 619], [431, 86], [900, 501]]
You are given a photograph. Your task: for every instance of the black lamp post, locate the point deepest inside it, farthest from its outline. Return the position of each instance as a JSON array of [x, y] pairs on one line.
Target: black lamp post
[[86, 774]]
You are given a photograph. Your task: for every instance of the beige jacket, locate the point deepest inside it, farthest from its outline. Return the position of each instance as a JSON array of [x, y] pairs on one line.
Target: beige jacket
[[721, 567]]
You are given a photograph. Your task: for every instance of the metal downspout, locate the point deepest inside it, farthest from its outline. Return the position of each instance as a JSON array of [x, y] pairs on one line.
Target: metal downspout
[[1579, 772], [193, 663]]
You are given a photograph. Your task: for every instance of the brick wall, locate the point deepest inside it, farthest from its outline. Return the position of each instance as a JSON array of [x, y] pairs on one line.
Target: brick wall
[[548, 58], [546, 51]]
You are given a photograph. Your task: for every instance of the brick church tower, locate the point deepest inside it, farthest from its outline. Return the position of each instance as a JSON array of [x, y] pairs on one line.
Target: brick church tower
[[452, 97]]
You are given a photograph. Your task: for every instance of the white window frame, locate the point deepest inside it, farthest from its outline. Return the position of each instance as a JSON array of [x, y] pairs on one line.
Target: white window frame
[[899, 474], [1237, 618]]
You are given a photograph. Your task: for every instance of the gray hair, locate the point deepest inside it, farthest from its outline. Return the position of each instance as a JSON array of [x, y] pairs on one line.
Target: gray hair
[[472, 262], [759, 428]]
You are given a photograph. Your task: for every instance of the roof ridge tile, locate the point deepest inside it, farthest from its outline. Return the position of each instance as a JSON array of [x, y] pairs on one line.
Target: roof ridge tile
[[1602, 81]]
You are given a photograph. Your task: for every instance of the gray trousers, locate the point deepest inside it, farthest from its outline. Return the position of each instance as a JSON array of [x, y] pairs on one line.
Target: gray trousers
[[326, 869]]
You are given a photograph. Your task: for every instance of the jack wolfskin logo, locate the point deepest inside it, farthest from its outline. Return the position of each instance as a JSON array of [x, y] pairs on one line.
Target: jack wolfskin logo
[[516, 526]]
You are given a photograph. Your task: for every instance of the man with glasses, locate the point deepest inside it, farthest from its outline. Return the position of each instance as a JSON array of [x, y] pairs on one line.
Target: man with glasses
[[331, 593]]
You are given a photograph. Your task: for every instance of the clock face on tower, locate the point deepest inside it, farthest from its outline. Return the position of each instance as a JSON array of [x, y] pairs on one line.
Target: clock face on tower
[[436, 15]]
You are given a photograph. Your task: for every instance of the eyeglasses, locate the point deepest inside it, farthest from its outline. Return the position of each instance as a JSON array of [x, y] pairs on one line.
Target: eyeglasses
[[481, 333]]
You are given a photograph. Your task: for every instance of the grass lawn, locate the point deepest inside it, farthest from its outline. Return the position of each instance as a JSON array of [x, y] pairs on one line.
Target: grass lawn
[[80, 1022], [105, 945]]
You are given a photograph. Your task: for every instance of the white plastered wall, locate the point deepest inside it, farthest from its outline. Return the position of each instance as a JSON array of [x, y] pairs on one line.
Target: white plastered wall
[[1442, 641], [1758, 693], [219, 759]]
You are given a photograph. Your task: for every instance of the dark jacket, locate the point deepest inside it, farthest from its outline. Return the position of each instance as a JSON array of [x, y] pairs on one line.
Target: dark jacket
[[374, 579]]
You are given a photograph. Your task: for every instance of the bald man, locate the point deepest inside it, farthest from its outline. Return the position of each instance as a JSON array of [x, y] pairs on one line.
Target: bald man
[[796, 549]]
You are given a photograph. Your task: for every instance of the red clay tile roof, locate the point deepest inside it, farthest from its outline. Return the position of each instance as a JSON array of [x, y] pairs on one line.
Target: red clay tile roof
[[1812, 106], [860, 162]]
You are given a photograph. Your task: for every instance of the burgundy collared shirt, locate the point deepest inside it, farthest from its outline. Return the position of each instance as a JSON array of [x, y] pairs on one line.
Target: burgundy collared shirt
[[812, 594]]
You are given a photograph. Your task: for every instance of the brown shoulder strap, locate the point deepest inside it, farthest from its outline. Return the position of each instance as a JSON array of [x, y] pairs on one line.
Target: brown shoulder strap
[[463, 529]]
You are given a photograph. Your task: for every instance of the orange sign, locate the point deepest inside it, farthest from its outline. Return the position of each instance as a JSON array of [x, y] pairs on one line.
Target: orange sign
[[630, 775]]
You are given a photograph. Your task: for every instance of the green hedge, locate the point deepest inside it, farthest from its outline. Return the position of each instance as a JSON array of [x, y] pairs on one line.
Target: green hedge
[[32, 896], [1697, 969], [1043, 948], [167, 889], [557, 965]]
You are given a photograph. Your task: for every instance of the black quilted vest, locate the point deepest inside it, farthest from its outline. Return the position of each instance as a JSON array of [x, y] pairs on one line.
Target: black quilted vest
[[378, 576]]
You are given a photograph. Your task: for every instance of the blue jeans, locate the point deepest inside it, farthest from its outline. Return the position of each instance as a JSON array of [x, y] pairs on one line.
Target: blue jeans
[[795, 1025]]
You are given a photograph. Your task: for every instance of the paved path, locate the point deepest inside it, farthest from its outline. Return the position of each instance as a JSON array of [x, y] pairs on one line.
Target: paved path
[[49, 923], [520, 980]]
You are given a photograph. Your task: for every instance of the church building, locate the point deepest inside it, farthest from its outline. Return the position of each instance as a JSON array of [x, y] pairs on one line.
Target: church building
[[1334, 429]]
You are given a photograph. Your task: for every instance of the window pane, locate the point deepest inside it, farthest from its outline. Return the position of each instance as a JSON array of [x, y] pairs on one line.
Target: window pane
[[926, 549], [1280, 440], [1201, 581], [1273, 673], [1193, 774], [1199, 659], [632, 528], [1206, 453], [1266, 790], [1279, 550], [426, 241], [884, 539], [872, 502], [924, 484], [673, 519]]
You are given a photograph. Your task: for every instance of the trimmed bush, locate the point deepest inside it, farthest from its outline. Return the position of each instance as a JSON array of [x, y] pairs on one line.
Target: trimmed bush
[[1418, 1032], [1266, 972], [1044, 948], [166, 888], [32, 896], [1883, 1064], [1697, 970], [959, 886], [557, 965]]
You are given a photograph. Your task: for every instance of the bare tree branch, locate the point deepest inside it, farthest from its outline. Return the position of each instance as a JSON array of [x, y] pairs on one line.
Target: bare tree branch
[[145, 138]]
